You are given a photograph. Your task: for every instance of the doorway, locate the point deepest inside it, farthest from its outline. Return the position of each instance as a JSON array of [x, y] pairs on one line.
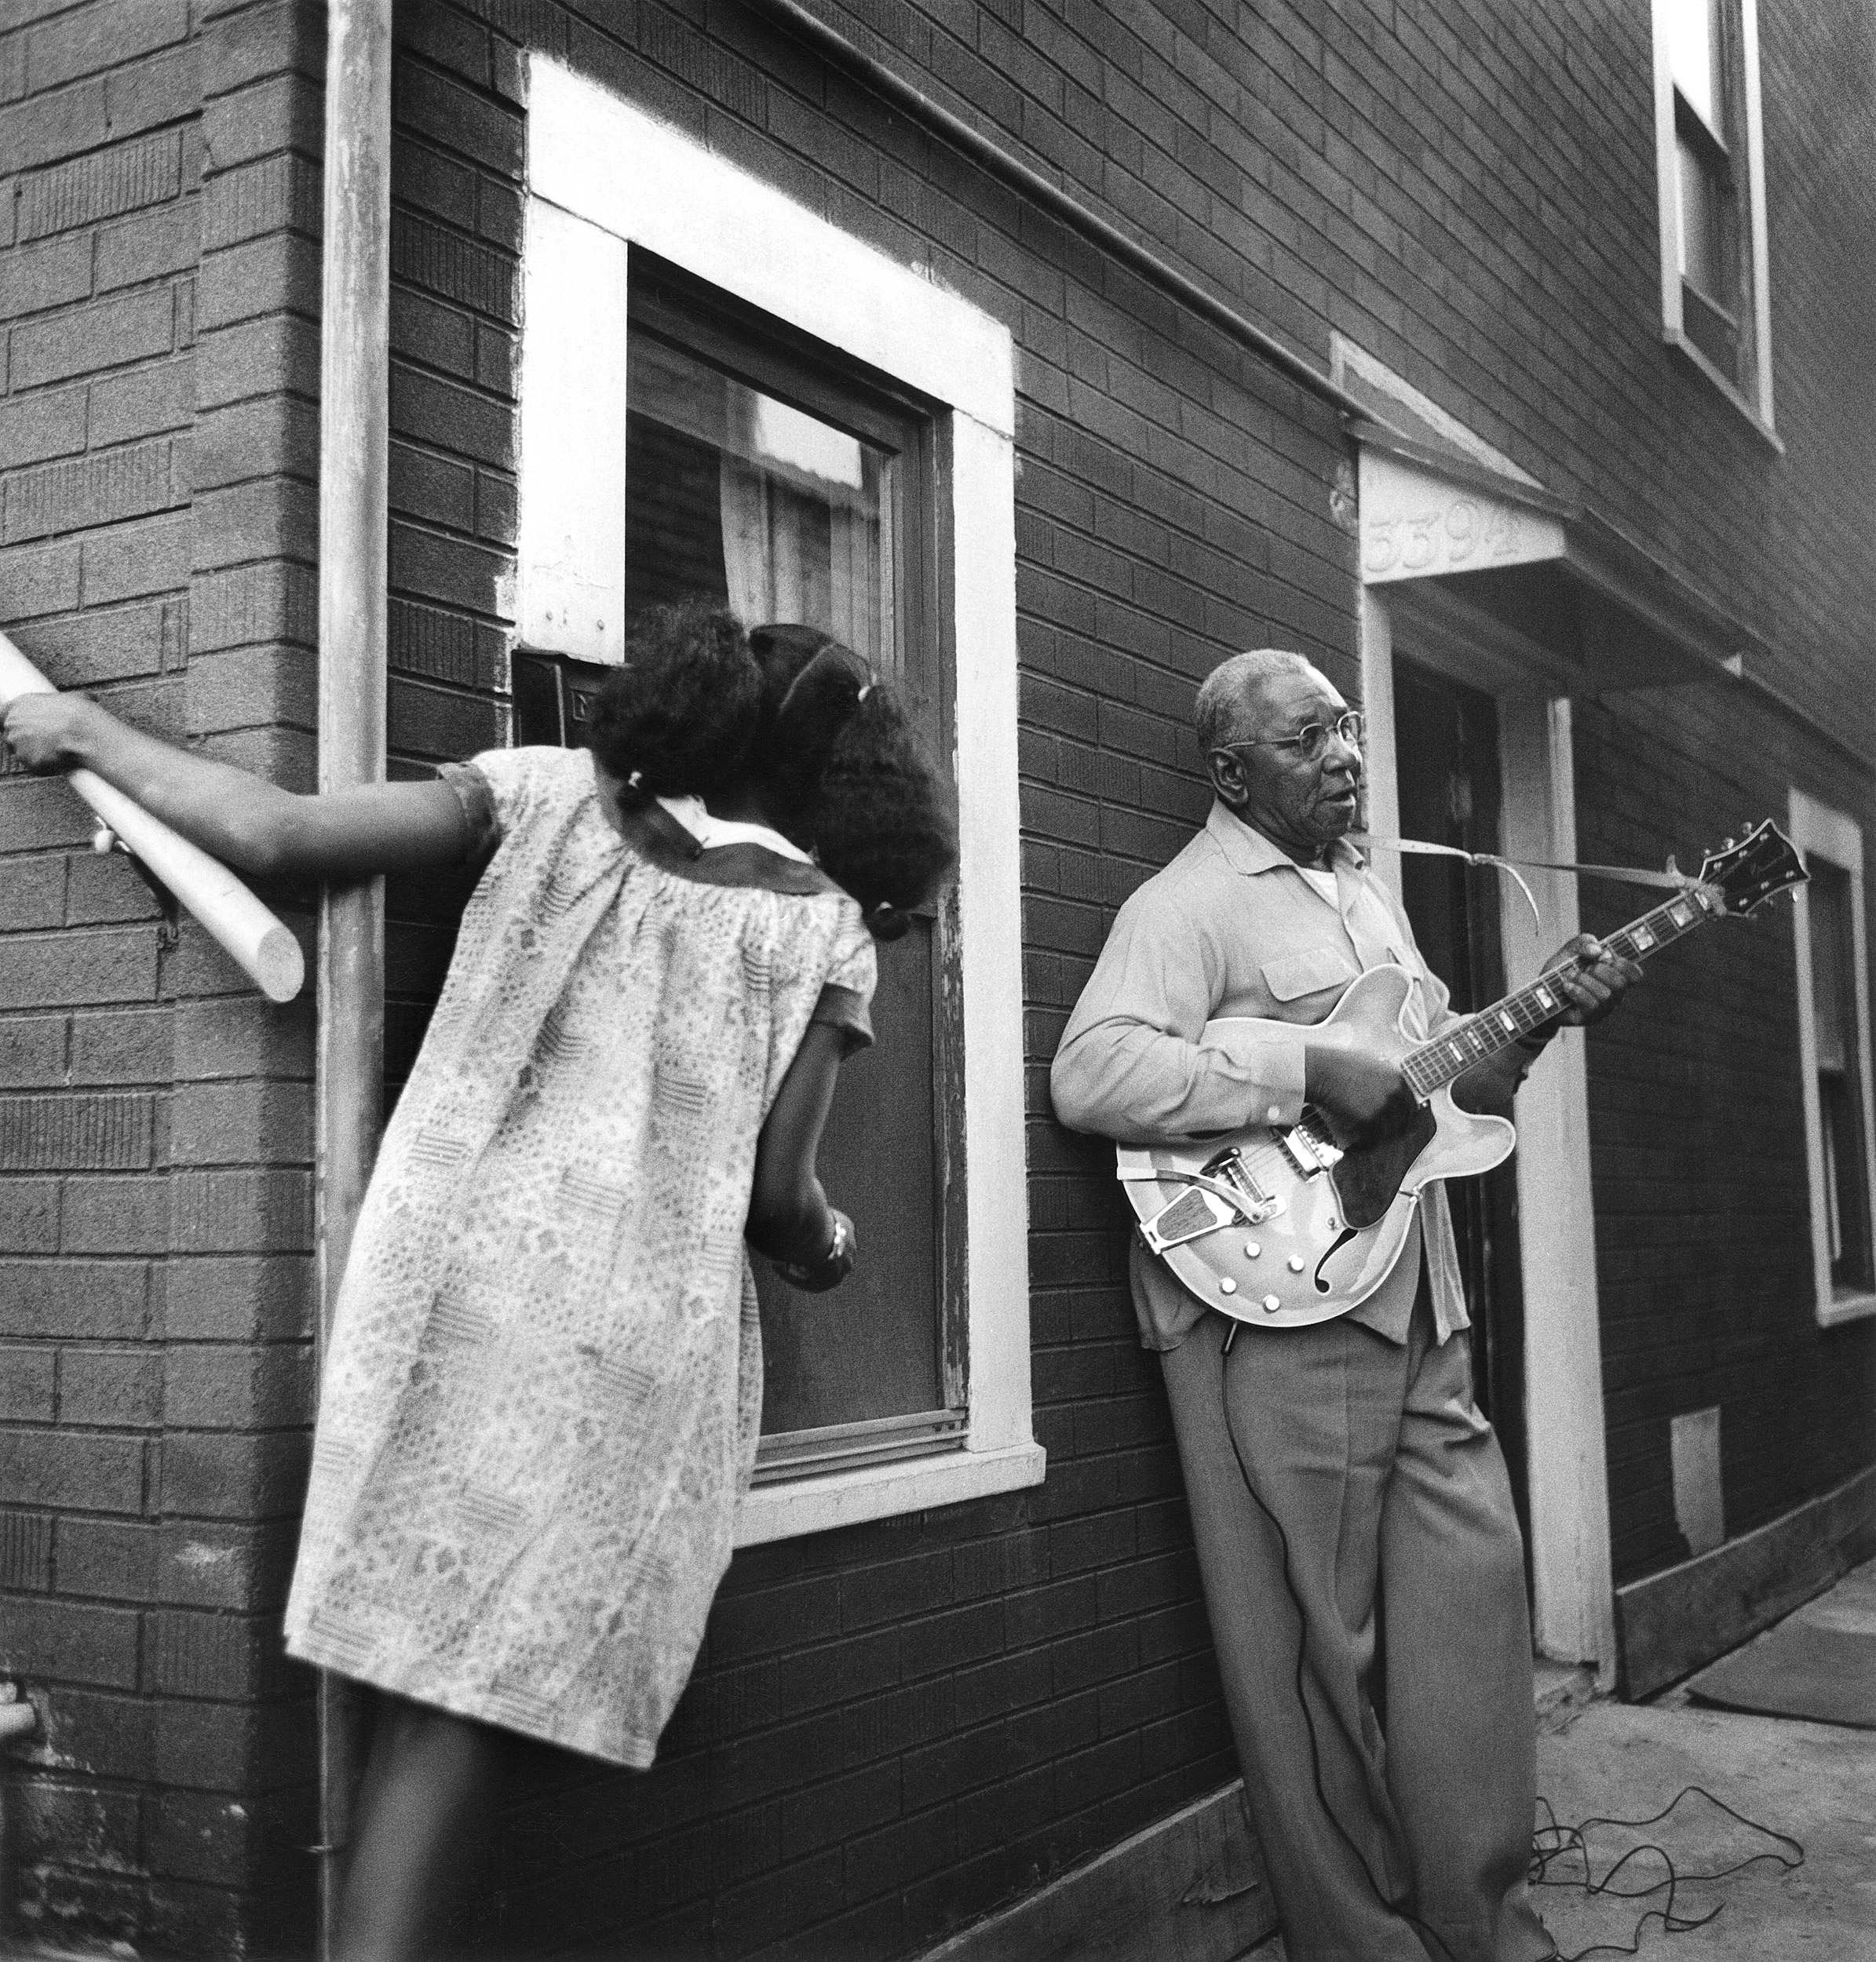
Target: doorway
[[1447, 767]]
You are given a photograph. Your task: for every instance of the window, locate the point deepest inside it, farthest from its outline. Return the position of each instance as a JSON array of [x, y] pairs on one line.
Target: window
[[724, 395], [1714, 303], [1833, 1031]]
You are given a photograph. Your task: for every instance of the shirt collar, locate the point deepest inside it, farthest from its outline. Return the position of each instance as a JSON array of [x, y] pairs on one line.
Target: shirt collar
[[1247, 850]]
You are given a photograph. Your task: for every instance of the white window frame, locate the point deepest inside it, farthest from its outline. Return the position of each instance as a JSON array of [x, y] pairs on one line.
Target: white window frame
[[1753, 398], [601, 163], [1819, 831]]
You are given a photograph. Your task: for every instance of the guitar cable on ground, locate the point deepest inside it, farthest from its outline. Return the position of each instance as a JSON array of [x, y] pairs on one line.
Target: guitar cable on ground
[[1555, 1842]]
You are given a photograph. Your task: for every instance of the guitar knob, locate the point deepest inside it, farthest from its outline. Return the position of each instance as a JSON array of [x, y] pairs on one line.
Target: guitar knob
[[1227, 1286], [1271, 1304], [1252, 1249], [1296, 1264]]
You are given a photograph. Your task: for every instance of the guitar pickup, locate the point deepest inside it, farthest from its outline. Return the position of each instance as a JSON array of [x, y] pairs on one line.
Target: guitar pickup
[[1308, 1153]]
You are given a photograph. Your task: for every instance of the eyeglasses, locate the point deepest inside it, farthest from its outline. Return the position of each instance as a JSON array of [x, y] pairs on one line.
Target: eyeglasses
[[1310, 740]]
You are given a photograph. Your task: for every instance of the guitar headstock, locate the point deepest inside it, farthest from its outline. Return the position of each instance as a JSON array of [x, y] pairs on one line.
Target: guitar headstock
[[1763, 864]]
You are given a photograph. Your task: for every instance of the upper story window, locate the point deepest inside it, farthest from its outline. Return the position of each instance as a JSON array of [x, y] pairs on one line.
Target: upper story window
[[1834, 1036], [725, 396], [1714, 303]]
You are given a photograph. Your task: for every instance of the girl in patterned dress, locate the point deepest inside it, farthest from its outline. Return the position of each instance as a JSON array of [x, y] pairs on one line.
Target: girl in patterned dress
[[544, 1386]]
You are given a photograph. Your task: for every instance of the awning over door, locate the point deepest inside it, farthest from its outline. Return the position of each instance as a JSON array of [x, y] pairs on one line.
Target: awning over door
[[1553, 599]]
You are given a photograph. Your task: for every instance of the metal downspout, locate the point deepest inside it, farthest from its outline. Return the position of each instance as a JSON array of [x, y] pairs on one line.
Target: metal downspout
[[354, 465]]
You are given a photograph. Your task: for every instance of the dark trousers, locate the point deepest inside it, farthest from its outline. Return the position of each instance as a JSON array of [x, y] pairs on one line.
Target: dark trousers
[[1392, 1491]]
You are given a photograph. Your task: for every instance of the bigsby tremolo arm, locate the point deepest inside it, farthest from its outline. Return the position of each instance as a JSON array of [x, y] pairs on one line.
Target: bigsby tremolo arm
[[1223, 1191]]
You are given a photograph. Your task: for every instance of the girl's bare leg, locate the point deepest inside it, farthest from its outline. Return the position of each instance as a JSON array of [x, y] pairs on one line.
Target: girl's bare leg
[[427, 1790]]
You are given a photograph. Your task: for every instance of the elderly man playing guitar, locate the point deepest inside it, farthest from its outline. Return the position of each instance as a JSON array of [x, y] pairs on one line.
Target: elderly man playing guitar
[[1340, 1476]]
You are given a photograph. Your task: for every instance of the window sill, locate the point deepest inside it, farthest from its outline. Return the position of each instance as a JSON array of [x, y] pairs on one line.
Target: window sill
[[1845, 1308], [1689, 353], [883, 1491]]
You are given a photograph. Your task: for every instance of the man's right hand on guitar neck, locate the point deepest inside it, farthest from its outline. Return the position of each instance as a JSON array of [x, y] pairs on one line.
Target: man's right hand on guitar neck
[[1363, 1096]]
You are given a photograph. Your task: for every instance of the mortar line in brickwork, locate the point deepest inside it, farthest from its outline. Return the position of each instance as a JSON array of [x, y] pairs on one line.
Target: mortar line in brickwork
[[836, 48]]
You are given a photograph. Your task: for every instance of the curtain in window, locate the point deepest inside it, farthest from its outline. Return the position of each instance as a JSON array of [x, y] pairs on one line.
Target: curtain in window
[[800, 522]]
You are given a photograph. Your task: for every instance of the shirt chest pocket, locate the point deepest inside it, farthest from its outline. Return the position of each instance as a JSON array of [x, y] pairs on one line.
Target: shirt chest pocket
[[1293, 978]]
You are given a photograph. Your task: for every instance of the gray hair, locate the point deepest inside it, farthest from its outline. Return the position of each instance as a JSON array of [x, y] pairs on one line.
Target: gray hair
[[1224, 694]]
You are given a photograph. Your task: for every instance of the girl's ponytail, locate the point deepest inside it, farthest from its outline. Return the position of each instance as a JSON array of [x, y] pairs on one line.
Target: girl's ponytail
[[679, 719], [845, 774]]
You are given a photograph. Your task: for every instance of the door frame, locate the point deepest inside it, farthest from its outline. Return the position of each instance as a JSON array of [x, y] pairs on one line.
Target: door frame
[[1573, 1590]]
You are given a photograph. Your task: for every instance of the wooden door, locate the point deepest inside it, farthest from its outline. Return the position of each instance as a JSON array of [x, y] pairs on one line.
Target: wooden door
[[1447, 763]]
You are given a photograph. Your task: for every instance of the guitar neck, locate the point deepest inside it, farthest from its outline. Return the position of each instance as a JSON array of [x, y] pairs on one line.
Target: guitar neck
[[1435, 1064]]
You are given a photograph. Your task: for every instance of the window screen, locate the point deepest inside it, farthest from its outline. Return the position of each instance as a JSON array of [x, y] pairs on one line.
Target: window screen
[[1839, 1076], [759, 478]]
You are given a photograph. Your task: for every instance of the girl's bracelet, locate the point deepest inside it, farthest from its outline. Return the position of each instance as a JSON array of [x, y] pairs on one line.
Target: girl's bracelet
[[814, 1277]]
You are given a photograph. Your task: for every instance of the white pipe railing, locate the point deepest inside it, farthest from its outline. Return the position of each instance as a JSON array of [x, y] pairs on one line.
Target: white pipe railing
[[262, 947]]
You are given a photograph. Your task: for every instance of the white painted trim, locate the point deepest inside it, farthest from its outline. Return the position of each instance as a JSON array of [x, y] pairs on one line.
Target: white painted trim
[[1755, 191], [570, 544], [608, 161], [984, 609], [612, 166], [1816, 829], [1571, 1558], [1378, 706], [884, 1492], [1754, 403], [1349, 359], [1667, 179], [1691, 354]]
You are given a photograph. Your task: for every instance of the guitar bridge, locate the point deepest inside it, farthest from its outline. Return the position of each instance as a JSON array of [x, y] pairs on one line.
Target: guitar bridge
[[1229, 1169]]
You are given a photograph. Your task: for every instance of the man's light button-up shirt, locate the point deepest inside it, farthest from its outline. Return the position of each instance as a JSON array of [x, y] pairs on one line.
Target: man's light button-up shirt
[[1231, 927]]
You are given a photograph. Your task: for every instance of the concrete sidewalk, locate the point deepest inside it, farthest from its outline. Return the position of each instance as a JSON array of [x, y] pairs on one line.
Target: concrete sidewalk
[[1815, 1782]]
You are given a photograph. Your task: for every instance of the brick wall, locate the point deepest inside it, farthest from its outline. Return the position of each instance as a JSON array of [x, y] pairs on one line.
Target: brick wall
[[893, 1727], [159, 266]]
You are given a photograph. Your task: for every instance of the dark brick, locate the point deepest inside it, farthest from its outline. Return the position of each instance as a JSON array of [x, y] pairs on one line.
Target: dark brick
[[119, 1387], [29, 1215], [26, 1551], [109, 1559], [223, 1474], [28, 1385], [48, 275], [149, 247], [56, 1468], [106, 335], [69, 1643]]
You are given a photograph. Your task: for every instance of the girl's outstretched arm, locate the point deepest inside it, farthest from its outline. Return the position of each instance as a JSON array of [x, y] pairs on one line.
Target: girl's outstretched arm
[[790, 1218], [254, 827]]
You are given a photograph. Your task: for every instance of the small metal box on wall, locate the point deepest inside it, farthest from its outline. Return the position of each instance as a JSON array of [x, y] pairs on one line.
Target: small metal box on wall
[[554, 696]]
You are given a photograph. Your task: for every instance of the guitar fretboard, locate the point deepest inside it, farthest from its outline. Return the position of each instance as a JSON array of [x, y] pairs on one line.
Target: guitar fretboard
[[1436, 1063]]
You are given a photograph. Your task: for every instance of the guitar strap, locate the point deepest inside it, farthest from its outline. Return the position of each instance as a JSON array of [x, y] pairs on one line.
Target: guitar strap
[[1672, 879]]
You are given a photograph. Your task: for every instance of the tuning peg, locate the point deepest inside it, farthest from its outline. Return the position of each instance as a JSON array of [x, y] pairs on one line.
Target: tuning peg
[[1727, 846]]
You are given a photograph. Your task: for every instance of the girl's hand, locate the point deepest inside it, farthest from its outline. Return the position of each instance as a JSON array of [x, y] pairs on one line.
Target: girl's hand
[[50, 733], [816, 1277]]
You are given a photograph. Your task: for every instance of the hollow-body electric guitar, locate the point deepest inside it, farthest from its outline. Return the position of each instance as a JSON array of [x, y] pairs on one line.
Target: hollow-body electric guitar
[[1279, 1227]]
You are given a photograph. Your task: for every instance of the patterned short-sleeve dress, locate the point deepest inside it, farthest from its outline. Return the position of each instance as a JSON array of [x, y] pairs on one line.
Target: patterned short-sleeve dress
[[543, 1397]]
